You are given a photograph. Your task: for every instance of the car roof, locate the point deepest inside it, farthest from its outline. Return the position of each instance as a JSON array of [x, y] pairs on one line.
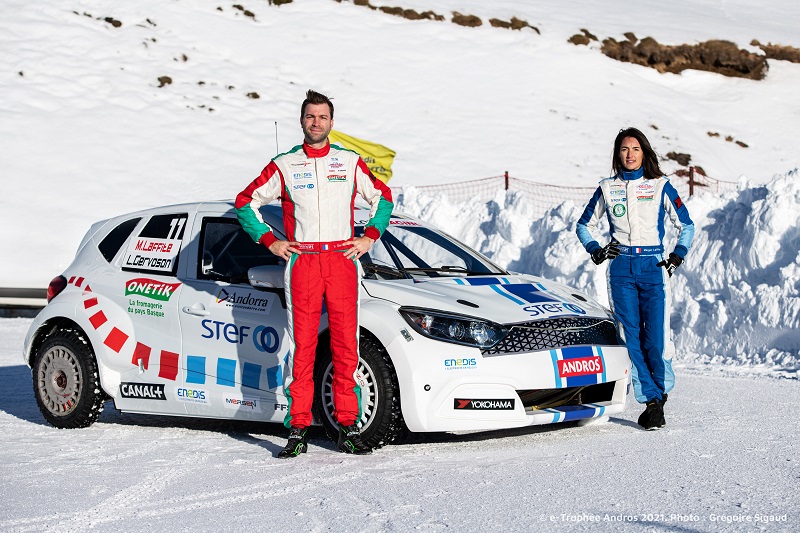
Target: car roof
[[226, 207]]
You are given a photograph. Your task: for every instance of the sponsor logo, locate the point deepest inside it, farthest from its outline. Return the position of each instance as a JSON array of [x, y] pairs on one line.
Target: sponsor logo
[[303, 186], [242, 402], [337, 177], [303, 164], [150, 288], [142, 391], [618, 210], [394, 222], [484, 404], [298, 176], [460, 364], [645, 187], [240, 300], [580, 367], [191, 395], [264, 338], [281, 407], [648, 198], [617, 192], [618, 200], [678, 202], [334, 164], [554, 308]]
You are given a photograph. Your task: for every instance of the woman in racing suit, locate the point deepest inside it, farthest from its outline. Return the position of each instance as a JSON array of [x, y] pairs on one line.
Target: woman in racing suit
[[636, 201]]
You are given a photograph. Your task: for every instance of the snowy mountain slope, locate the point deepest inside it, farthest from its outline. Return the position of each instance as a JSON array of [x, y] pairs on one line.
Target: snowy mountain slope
[[89, 131]]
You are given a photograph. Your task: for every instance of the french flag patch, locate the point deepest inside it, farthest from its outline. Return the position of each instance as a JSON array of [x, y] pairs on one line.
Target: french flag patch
[[638, 250], [325, 247]]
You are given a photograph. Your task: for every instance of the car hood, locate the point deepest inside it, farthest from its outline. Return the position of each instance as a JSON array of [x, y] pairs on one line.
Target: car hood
[[503, 299]]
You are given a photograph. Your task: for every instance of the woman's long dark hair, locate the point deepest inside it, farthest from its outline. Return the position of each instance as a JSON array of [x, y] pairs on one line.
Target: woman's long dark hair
[[649, 161]]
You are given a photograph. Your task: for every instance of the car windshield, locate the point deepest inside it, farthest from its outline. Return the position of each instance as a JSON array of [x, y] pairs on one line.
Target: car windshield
[[409, 250]]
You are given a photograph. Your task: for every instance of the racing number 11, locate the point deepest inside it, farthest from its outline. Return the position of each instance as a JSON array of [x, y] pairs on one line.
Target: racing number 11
[[175, 227]]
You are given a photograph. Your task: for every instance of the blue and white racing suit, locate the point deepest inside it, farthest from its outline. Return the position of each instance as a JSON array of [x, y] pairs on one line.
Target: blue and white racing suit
[[636, 209]]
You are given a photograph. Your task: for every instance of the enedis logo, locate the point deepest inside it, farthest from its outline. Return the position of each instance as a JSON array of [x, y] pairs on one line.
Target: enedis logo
[[150, 288]]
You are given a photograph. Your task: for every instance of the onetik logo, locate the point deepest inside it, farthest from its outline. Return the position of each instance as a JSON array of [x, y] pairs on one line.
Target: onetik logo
[[150, 288], [484, 404], [580, 367]]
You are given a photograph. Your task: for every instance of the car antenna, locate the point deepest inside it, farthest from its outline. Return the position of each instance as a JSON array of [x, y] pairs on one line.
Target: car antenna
[[277, 151]]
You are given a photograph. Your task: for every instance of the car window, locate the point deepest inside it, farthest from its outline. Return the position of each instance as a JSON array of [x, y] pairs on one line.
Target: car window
[[155, 249], [112, 242], [227, 252], [418, 251]]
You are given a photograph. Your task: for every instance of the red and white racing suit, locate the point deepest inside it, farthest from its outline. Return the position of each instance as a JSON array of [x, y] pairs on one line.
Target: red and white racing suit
[[317, 188]]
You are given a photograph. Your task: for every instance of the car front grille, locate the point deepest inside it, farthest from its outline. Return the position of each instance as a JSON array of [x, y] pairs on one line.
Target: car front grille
[[555, 333], [536, 400]]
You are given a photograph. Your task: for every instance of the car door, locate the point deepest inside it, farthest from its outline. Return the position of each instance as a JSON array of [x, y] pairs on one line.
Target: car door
[[235, 336]]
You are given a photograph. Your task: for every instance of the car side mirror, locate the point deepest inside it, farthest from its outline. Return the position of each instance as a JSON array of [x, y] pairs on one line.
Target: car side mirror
[[266, 276]]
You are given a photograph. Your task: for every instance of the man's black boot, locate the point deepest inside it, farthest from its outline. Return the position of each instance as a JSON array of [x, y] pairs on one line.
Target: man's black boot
[[653, 415], [297, 443], [350, 441]]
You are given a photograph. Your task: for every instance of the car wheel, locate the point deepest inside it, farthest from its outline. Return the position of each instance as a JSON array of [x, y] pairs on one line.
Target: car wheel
[[66, 382], [381, 419]]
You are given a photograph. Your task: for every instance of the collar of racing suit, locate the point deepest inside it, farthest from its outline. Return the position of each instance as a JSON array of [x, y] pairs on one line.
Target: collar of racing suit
[[633, 174], [316, 152]]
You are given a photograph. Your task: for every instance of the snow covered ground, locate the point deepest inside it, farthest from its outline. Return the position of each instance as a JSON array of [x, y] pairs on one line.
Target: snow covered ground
[[727, 461]]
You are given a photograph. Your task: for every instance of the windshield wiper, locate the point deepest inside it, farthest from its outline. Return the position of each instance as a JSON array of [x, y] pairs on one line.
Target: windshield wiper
[[373, 268], [446, 268]]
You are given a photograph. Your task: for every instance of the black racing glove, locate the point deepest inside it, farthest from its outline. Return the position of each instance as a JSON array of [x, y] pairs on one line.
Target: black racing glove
[[609, 251], [671, 263]]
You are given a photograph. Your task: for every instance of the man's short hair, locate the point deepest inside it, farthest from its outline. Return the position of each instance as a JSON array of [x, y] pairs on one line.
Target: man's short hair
[[313, 97]]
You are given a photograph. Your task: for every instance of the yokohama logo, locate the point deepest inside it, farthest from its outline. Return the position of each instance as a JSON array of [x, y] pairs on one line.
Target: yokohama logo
[[580, 367], [484, 405]]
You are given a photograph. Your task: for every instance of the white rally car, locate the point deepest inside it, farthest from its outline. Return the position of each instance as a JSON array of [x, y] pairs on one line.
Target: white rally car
[[176, 311]]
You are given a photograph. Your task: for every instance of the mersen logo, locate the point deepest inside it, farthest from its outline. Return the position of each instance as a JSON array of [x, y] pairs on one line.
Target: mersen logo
[[142, 391], [150, 288], [580, 367], [453, 364], [484, 404], [251, 404]]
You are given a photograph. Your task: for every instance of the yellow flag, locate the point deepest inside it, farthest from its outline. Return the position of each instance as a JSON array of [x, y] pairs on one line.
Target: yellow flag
[[377, 157]]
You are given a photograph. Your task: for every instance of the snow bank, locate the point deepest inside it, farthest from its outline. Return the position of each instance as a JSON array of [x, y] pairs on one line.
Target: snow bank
[[736, 300]]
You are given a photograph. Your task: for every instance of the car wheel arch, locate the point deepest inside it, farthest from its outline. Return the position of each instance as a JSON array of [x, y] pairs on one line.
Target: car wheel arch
[[391, 426]]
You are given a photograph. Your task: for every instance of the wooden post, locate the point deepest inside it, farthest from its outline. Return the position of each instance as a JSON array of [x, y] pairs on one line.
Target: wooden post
[[691, 181], [506, 179]]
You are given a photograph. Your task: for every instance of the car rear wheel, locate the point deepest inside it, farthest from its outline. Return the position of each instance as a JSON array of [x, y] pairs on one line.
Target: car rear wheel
[[66, 382], [381, 419]]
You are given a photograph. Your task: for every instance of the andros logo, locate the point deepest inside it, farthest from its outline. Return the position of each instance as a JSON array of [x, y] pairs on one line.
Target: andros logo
[[580, 367]]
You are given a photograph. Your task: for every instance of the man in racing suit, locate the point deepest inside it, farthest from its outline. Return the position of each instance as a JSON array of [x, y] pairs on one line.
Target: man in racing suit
[[317, 184], [636, 202]]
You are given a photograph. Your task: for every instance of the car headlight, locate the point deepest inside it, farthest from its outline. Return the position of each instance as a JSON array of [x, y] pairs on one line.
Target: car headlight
[[457, 329]]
